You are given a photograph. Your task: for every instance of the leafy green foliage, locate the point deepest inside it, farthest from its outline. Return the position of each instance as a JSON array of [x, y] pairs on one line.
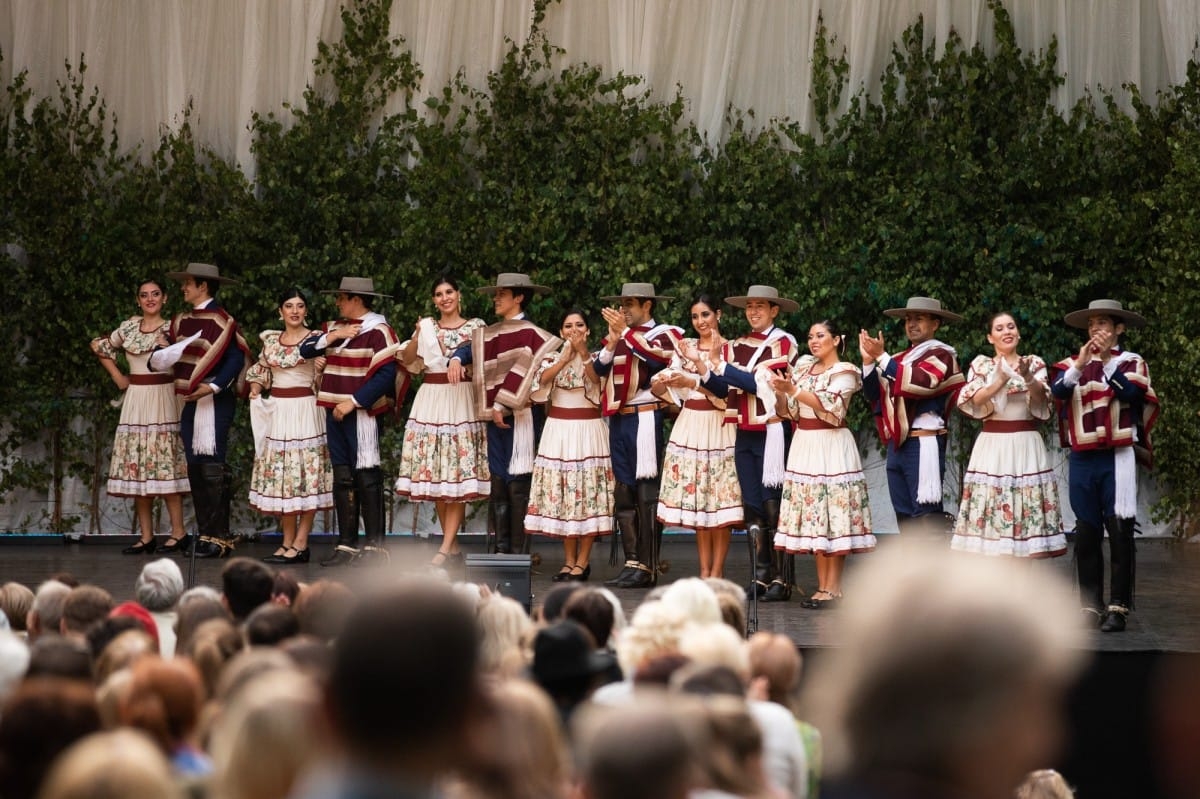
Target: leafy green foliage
[[958, 179]]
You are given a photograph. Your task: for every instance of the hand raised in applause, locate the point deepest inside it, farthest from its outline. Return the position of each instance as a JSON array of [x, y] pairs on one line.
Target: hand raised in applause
[[870, 348]]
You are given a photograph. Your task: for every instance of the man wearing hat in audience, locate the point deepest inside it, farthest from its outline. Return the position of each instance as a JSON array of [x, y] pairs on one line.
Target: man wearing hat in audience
[[357, 388], [760, 448], [912, 393], [635, 349], [209, 362], [506, 356], [1106, 410]]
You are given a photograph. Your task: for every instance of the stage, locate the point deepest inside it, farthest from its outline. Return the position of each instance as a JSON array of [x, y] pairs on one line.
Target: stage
[[1166, 618]]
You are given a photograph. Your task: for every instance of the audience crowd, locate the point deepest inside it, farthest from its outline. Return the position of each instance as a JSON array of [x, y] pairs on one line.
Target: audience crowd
[[416, 686]]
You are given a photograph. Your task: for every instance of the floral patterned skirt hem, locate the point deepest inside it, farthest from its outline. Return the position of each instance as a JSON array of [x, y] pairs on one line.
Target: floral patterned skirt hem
[[272, 506], [692, 519], [469, 490], [1048, 546], [573, 528], [826, 511], [148, 488], [843, 545], [998, 508]]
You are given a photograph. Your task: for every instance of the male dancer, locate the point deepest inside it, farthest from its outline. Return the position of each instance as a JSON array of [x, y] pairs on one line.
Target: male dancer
[[506, 356], [912, 394], [209, 363], [634, 351], [358, 386], [760, 448], [1106, 410]]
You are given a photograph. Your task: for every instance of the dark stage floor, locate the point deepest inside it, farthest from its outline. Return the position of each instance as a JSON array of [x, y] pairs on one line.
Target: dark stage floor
[[1165, 620]]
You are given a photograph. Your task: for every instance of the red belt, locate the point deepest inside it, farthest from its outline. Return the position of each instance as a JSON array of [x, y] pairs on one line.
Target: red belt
[[151, 380], [556, 412], [1014, 426], [925, 433], [291, 393], [815, 424], [700, 405], [436, 378]]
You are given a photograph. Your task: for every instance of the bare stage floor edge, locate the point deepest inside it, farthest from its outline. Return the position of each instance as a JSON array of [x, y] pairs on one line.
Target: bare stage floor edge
[[1165, 619]]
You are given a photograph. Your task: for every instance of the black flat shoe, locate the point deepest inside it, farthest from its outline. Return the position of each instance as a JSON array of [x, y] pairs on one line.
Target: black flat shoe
[[294, 555], [277, 557], [580, 577], [141, 548], [563, 575], [172, 545]]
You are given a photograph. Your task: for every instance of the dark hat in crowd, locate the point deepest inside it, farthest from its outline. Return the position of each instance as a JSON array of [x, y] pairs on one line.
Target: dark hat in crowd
[[565, 651]]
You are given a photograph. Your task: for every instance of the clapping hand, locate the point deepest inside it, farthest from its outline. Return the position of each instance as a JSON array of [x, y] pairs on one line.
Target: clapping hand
[[870, 348]]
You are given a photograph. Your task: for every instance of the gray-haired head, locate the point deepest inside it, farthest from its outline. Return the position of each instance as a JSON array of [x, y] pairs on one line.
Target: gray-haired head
[[48, 605], [159, 586]]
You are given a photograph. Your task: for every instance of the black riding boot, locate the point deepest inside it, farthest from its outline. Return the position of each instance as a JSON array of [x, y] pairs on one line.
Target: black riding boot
[[214, 530], [625, 510], [754, 539], [518, 498], [1122, 566], [649, 542], [1089, 561], [368, 485], [345, 503], [500, 515], [780, 589]]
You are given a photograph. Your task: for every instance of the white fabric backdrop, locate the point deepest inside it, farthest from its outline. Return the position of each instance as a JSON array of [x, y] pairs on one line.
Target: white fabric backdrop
[[232, 57]]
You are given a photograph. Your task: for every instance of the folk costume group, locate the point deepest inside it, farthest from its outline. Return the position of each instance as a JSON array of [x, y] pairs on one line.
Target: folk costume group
[[568, 442]]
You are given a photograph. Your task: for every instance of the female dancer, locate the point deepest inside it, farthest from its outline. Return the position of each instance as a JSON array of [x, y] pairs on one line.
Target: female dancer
[[444, 458], [571, 494], [699, 488], [1010, 500], [147, 458], [825, 508], [292, 477]]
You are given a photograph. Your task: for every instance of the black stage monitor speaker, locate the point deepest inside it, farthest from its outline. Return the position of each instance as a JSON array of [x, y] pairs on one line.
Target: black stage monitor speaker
[[509, 575]]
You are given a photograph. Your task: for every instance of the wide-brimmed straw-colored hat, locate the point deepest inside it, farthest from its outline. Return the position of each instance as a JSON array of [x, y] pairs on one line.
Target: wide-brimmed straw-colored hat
[[639, 291], [1104, 308], [768, 293], [513, 280], [357, 285], [926, 305], [203, 271]]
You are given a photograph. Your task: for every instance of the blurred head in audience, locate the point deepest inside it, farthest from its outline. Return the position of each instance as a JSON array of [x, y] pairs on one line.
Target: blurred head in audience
[[111, 765], [159, 585], [42, 717], [45, 614], [946, 675]]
